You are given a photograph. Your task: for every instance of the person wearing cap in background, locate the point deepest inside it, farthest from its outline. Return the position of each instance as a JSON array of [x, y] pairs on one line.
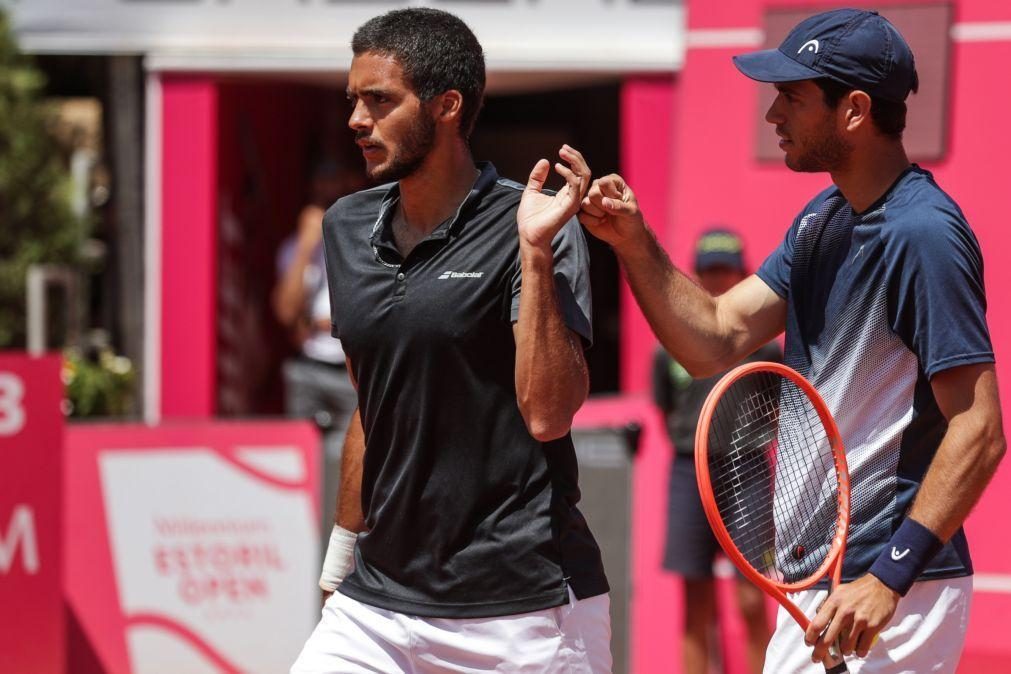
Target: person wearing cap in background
[[691, 546], [878, 284]]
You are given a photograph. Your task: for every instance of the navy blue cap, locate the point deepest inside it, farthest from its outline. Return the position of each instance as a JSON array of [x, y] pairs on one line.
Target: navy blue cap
[[855, 47], [719, 248]]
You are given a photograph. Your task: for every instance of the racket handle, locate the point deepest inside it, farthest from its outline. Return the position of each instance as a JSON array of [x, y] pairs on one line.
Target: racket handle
[[837, 668], [835, 655]]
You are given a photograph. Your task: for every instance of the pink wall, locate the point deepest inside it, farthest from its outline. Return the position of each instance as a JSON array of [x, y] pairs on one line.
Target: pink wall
[[647, 152], [188, 246], [713, 177]]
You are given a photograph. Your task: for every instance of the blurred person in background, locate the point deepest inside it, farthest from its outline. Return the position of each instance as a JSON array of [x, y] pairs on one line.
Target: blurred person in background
[[463, 302], [691, 547], [316, 382]]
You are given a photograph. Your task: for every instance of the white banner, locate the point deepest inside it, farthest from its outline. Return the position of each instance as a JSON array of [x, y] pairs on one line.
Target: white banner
[[214, 561], [314, 35]]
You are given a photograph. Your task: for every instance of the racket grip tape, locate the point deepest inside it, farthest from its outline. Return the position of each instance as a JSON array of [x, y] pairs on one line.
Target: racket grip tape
[[835, 653]]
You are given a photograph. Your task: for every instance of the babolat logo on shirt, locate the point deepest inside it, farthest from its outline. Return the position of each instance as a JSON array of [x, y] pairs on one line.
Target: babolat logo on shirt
[[462, 274]]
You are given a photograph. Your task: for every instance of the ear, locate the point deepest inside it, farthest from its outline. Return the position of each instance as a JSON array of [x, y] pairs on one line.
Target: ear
[[857, 111], [448, 106]]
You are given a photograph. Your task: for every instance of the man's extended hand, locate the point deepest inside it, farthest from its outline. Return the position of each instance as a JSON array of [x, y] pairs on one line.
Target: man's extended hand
[[855, 614], [610, 211], [541, 216]]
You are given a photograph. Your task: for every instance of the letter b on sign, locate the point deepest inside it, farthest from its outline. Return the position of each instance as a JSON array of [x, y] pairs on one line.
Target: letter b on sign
[[12, 411]]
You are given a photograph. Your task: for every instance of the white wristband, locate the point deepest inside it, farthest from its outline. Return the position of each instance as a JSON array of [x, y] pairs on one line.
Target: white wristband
[[339, 558]]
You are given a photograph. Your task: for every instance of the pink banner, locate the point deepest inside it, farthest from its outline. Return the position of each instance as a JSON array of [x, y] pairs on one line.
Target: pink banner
[[193, 546], [31, 437]]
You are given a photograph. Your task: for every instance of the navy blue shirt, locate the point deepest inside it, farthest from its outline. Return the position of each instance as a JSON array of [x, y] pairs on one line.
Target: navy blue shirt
[[878, 303]]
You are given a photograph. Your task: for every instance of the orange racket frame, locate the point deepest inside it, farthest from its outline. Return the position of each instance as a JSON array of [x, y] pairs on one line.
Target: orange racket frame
[[834, 560]]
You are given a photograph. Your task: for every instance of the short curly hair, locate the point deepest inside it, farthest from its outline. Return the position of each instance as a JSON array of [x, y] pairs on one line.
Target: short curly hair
[[437, 52], [888, 116]]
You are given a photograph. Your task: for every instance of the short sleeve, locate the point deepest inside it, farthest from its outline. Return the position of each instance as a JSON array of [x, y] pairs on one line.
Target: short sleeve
[[775, 271], [572, 281], [937, 299]]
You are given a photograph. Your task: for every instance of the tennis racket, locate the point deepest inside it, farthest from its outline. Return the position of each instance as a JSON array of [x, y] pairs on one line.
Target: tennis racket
[[772, 476]]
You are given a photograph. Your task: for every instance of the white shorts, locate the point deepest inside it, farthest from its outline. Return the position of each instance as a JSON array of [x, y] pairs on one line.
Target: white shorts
[[926, 633], [353, 637]]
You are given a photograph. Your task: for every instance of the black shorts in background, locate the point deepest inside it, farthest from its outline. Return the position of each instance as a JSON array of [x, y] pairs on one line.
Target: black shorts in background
[[691, 546]]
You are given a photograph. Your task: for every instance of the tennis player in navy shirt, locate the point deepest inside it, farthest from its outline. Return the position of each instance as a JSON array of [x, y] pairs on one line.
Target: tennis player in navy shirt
[[878, 285]]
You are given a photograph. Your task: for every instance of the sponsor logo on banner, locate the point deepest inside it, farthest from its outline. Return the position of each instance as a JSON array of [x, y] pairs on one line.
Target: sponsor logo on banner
[[214, 552], [218, 564]]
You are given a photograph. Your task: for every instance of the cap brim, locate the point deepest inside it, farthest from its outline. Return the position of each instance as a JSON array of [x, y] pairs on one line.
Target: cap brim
[[772, 65]]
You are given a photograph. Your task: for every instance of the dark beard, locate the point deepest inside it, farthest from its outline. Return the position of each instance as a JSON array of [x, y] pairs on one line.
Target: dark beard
[[827, 153], [414, 149]]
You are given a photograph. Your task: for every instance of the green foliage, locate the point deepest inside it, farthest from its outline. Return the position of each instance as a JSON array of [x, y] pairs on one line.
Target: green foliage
[[98, 386], [36, 220]]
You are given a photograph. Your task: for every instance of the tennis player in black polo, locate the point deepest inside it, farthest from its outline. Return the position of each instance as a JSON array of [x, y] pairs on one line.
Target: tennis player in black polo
[[463, 304]]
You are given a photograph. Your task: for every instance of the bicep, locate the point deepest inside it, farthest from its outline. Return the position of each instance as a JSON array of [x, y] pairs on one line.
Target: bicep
[[752, 313], [967, 392]]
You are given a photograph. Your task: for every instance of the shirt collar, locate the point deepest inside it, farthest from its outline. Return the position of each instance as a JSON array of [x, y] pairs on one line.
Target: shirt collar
[[382, 233]]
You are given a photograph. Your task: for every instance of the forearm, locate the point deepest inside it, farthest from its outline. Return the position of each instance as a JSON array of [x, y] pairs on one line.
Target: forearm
[[964, 463], [963, 466], [289, 295], [967, 458], [349, 499], [551, 375], [685, 318]]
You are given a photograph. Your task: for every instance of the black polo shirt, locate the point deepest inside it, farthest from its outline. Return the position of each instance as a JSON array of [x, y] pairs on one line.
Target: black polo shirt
[[467, 514]]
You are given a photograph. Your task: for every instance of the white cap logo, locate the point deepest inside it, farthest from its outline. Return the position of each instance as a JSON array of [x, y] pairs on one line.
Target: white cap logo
[[811, 45]]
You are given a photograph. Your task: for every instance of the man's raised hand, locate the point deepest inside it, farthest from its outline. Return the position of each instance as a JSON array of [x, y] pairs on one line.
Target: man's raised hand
[[610, 211], [541, 216]]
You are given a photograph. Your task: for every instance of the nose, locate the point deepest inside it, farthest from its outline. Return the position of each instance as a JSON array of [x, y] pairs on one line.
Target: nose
[[774, 115], [359, 119]]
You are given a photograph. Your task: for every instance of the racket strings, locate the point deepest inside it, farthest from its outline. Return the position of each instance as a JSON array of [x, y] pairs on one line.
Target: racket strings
[[773, 476]]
